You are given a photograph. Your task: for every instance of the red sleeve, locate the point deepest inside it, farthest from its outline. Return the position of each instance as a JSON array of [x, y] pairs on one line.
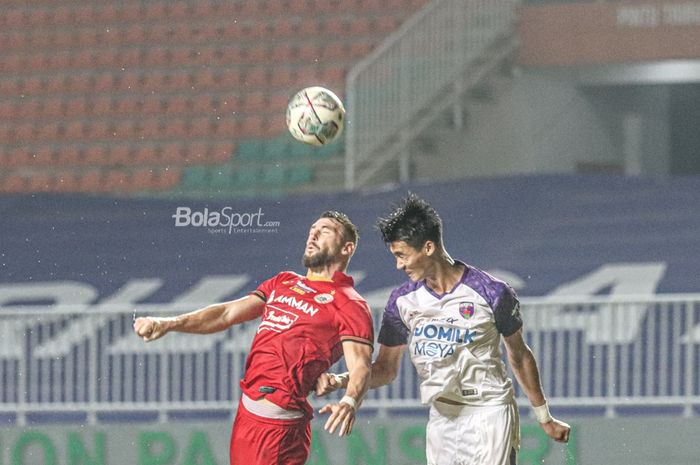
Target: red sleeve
[[265, 288], [355, 322]]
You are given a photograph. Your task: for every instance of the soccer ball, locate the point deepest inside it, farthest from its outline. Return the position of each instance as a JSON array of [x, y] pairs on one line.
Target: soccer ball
[[315, 115]]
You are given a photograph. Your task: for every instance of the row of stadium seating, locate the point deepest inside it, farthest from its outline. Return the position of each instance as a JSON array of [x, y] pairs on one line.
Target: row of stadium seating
[[43, 61], [92, 180], [122, 154], [80, 13], [201, 33]]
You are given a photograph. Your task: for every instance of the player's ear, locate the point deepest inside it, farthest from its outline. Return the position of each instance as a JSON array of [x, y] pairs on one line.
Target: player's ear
[[348, 249], [429, 248]]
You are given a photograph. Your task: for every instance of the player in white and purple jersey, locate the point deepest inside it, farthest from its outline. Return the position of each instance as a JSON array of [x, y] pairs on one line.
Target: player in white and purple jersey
[[452, 317]]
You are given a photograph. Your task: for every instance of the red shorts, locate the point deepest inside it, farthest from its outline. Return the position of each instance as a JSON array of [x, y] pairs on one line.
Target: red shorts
[[257, 440]]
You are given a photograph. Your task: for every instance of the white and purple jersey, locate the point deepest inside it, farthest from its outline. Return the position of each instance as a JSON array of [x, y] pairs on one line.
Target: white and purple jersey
[[454, 339]]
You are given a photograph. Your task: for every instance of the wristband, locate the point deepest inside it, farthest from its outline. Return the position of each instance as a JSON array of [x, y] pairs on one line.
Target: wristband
[[542, 413], [350, 401]]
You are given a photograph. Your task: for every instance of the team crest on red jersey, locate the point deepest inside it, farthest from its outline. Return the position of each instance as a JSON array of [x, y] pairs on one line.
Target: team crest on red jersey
[[323, 298]]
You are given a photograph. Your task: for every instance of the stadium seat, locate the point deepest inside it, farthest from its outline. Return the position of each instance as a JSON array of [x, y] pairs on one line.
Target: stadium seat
[[273, 176], [249, 149], [299, 174], [195, 178], [221, 178], [13, 183], [246, 176]]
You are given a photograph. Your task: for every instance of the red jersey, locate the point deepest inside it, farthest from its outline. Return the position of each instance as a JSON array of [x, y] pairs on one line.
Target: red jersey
[[300, 336]]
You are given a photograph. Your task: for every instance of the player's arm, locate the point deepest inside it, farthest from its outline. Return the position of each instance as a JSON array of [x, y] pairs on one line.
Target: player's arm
[[384, 370], [210, 319], [524, 366], [358, 357]]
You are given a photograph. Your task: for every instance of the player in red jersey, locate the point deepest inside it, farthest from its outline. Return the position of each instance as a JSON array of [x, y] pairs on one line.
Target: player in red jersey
[[308, 323]]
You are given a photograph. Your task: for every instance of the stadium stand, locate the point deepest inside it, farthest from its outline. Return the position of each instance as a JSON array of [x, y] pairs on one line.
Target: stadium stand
[[105, 85]]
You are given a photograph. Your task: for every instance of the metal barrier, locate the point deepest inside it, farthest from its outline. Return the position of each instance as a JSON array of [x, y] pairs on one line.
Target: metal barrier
[[598, 352], [394, 87]]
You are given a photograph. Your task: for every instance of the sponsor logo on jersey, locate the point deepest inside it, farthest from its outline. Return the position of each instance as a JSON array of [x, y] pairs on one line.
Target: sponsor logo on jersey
[[295, 303], [439, 341], [323, 298], [466, 309], [277, 320], [301, 288], [443, 333]]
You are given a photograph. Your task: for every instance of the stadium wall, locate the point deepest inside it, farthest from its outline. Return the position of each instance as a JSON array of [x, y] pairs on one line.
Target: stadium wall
[[376, 441]]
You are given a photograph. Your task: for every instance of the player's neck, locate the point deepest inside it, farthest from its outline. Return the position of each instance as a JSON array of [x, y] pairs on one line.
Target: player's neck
[[324, 273], [445, 274]]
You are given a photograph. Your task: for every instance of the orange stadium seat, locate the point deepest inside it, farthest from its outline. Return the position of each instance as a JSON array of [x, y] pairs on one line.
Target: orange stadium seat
[[68, 155], [149, 128], [116, 180], [134, 33], [95, 155], [221, 152], [76, 106], [284, 52], [334, 51], [199, 127], [23, 132], [385, 24], [13, 183], [125, 129], [27, 109], [309, 52], [74, 130], [88, 37], [228, 127], [334, 27], [360, 25], [40, 182], [145, 154], [130, 13], [283, 28], [10, 85], [67, 181], [176, 104], [175, 127], [48, 130], [32, 85], [257, 53], [167, 178], [360, 49], [171, 153], [283, 77], [99, 129], [152, 104], [20, 156], [120, 154], [142, 178], [196, 152], [102, 105], [155, 10], [90, 181]]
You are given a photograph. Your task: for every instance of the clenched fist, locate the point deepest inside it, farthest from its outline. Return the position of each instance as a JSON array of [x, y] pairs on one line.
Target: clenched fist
[[150, 328]]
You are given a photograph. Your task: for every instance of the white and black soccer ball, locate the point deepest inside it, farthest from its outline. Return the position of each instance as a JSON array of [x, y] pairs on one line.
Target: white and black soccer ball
[[315, 116]]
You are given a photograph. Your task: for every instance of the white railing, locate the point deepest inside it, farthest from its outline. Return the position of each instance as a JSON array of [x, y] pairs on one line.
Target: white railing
[[598, 352], [389, 93]]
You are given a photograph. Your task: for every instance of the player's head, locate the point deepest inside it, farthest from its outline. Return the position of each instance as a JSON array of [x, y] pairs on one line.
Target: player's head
[[332, 240], [413, 232]]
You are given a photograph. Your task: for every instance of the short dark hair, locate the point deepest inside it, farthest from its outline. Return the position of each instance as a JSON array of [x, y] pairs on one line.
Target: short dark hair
[[350, 232], [412, 221]]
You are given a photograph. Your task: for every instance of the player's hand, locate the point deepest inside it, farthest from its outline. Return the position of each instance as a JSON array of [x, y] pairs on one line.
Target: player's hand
[[342, 416], [327, 383], [150, 328], [557, 430]]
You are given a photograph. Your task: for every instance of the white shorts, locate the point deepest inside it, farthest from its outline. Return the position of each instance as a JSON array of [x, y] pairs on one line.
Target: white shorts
[[466, 435]]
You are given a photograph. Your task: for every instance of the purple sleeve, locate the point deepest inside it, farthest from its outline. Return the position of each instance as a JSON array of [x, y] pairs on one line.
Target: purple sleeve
[[393, 331], [506, 311]]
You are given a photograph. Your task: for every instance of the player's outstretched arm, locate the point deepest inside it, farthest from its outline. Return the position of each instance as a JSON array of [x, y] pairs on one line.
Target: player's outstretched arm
[[524, 366], [210, 319], [384, 370], [358, 357]]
